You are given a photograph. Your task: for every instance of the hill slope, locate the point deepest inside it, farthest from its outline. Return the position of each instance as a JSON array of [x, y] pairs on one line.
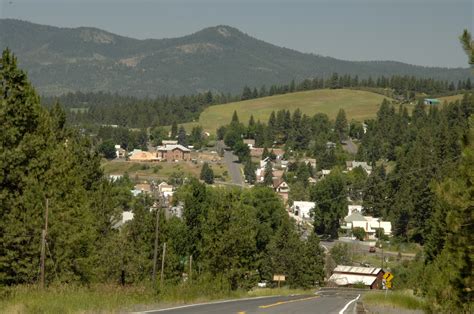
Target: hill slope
[[218, 58], [357, 104]]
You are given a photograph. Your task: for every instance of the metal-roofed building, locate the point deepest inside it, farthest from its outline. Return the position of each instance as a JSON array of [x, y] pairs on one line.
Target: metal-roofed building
[[349, 276]]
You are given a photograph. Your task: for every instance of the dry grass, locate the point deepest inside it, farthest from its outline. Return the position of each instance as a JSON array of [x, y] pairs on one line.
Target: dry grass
[[358, 105]]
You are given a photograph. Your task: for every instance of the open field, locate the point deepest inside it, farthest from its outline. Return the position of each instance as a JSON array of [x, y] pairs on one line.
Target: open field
[[358, 105], [451, 98], [162, 170]]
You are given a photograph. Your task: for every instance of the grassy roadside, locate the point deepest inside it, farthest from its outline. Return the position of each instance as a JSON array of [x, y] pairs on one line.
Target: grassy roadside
[[113, 298], [403, 299]]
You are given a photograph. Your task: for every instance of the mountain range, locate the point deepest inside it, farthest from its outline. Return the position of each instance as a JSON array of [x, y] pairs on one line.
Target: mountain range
[[220, 59]]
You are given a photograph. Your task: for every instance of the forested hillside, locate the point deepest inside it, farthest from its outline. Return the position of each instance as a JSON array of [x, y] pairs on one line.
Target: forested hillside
[[220, 59]]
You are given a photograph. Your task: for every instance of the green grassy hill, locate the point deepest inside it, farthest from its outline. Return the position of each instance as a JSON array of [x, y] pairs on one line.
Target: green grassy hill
[[358, 105]]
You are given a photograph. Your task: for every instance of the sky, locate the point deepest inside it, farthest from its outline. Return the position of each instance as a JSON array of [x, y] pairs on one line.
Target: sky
[[422, 32]]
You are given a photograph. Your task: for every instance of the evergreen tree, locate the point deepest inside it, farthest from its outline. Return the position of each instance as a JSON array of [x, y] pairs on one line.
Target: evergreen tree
[[235, 118], [107, 149], [341, 126], [330, 196], [268, 174], [174, 130], [207, 174], [249, 172], [182, 136]]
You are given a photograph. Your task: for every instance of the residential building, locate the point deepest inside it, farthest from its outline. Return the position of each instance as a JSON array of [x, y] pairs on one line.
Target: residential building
[[348, 276], [173, 152], [141, 188], [325, 173], [351, 165], [368, 223], [282, 188], [257, 152], [120, 152], [303, 209], [250, 143], [354, 209], [310, 161]]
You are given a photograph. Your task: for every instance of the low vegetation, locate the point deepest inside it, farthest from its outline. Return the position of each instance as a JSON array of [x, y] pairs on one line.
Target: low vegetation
[[398, 299], [114, 298]]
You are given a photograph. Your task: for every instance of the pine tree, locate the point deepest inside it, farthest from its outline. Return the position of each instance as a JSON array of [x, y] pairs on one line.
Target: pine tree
[[207, 174], [249, 172], [174, 130], [341, 126], [182, 136], [235, 118], [268, 174]]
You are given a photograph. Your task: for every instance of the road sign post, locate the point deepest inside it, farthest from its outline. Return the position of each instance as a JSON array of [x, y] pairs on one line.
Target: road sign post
[[279, 278]]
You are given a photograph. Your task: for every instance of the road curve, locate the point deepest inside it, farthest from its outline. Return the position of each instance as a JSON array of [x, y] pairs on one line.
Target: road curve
[[339, 302]]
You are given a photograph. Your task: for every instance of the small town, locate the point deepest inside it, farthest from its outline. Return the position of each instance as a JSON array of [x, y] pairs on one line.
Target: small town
[[236, 157]]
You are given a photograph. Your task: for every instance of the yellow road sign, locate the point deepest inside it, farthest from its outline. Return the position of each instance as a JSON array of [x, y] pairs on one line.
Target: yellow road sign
[[388, 276], [388, 284]]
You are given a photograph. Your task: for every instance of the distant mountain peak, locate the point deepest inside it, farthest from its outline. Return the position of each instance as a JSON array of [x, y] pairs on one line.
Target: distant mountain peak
[[220, 58], [96, 36]]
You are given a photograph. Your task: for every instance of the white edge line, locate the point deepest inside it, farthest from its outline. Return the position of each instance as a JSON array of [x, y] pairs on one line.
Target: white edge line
[[347, 305], [206, 303]]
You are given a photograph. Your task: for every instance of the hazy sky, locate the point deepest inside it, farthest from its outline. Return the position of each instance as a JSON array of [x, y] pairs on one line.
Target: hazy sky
[[420, 32]]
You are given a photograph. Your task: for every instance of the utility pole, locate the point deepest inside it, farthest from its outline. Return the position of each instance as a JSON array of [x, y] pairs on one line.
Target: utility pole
[[163, 265], [43, 245], [155, 253], [190, 268]]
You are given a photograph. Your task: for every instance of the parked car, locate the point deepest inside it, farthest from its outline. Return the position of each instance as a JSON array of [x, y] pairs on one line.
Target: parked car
[[262, 284], [372, 249]]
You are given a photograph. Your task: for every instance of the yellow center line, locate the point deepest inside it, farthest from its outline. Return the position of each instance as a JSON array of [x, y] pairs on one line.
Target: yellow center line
[[242, 312], [286, 302]]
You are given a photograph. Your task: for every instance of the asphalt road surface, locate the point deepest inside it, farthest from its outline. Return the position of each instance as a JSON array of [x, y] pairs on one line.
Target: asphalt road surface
[[233, 168], [332, 301]]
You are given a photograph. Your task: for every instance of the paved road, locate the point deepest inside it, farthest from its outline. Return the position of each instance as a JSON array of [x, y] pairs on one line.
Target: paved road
[[349, 146], [233, 167], [323, 302]]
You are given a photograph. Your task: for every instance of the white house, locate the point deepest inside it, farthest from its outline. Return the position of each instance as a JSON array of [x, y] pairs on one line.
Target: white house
[[302, 209], [126, 216], [120, 152], [354, 209], [368, 223], [325, 173], [351, 165], [250, 143]]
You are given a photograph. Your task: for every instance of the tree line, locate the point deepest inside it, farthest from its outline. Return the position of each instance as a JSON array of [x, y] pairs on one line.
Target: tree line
[[100, 108]]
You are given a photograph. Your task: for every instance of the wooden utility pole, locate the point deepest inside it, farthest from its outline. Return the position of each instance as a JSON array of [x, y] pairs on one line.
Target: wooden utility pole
[[190, 268], [163, 265], [155, 254], [43, 245]]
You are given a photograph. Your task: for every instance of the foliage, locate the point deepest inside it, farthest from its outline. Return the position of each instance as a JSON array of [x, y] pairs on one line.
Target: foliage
[[107, 149], [399, 299], [207, 174], [340, 254], [330, 196], [359, 233]]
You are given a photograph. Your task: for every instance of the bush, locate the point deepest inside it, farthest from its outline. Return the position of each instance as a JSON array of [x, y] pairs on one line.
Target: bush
[[359, 233], [398, 299]]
